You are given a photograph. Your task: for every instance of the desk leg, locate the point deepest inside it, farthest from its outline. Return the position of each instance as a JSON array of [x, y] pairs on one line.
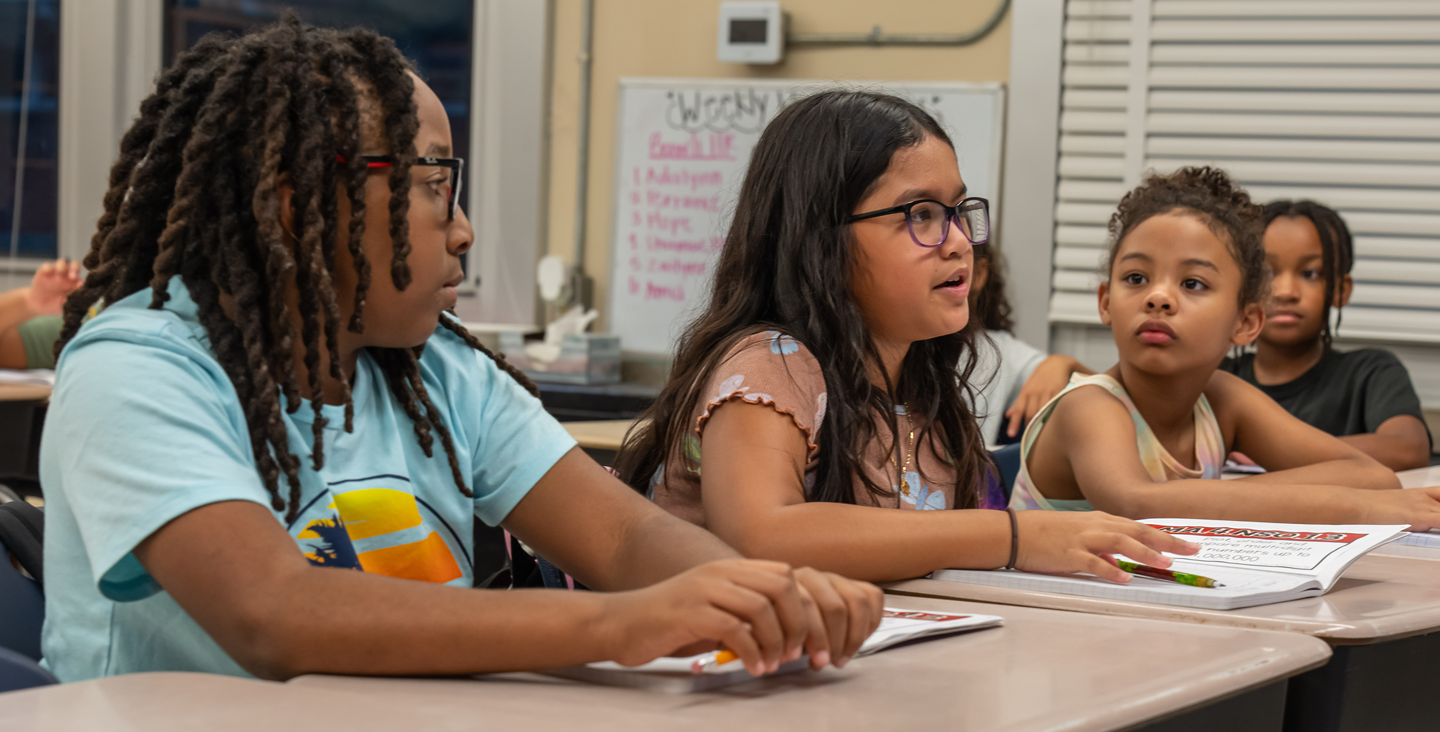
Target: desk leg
[[1251, 711], [1387, 686]]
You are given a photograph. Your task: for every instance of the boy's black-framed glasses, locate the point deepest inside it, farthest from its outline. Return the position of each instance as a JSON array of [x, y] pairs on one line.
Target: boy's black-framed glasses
[[929, 220], [452, 188]]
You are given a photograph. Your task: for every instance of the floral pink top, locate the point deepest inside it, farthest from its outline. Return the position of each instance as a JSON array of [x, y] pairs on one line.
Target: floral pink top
[[776, 371]]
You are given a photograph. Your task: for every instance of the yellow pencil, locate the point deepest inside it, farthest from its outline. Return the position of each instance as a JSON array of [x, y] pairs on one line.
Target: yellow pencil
[[711, 660]]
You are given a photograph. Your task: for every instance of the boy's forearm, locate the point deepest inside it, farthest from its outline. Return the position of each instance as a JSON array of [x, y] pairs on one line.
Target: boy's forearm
[[1235, 500], [1394, 452], [14, 308], [333, 621], [1358, 473]]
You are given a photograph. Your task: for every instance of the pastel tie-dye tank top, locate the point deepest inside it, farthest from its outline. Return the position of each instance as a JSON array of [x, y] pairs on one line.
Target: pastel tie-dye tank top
[[1158, 462]]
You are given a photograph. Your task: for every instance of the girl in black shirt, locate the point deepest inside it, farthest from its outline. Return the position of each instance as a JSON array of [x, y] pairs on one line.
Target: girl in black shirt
[[1363, 397]]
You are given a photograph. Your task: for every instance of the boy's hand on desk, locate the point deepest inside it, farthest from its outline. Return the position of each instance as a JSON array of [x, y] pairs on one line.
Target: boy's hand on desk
[[1418, 507], [1053, 542], [843, 613], [754, 608]]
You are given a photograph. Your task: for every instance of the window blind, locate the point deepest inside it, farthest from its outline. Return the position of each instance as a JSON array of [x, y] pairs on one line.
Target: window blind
[[1332, 100]]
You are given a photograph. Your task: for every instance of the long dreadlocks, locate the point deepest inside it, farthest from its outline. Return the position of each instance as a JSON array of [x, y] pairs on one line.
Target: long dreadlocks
[[194, 193]]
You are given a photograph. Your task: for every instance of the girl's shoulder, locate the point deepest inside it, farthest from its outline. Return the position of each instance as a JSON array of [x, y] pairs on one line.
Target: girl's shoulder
[[1227, 395], [769, 368], [768, 347], [769, 357]]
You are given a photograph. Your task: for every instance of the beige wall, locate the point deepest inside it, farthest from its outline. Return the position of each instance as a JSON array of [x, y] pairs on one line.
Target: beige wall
[[676, 38]]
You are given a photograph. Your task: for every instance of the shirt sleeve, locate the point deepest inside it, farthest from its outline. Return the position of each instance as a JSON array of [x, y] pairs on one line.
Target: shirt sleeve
[[1388, 391], [516, 443], [775, 370], [137, 434]]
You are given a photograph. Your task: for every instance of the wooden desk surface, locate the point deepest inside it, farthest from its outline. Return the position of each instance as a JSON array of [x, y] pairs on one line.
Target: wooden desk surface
[[24, 392], [1378, 598], [1420, 477], [602, 435], [1043, 670], [185, 702]]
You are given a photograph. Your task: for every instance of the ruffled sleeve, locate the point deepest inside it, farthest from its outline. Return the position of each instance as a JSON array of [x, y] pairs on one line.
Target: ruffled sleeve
[[775, 370]]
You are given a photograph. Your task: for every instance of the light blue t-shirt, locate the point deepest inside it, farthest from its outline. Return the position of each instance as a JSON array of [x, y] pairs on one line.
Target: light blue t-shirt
[[144, 426]]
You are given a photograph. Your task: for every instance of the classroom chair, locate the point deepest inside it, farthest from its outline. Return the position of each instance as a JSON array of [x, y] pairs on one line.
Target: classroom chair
[[1007, 459], [19, 672], [22, 600]]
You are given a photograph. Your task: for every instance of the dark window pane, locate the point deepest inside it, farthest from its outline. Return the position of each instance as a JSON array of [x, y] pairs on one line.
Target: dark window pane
[[38, 206], [435, 35]]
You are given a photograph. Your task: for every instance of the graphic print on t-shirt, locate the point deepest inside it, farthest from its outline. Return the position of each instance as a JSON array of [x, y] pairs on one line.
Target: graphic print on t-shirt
[[377, 526]]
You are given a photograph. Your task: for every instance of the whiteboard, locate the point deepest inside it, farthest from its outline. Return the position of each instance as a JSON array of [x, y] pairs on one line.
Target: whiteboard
[[681, 150]]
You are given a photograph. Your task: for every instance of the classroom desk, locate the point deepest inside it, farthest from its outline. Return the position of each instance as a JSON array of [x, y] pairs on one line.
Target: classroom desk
[[1043, 670], [186, 702], [604, 435], [600, 440], [1381, 619], [24, 393], [1420, 477]]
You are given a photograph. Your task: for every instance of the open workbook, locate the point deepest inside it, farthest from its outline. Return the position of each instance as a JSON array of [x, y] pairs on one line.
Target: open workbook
[[683, 675], [1257, 564]]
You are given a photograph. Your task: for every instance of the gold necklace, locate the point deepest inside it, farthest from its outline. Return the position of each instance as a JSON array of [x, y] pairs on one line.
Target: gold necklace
[[905, 487]]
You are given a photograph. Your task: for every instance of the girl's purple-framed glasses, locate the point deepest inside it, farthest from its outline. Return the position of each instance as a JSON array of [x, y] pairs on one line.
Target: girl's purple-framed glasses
[[929, 220]]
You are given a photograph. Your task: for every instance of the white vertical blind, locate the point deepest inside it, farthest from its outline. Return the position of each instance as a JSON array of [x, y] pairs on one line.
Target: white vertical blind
[[1332, 100]]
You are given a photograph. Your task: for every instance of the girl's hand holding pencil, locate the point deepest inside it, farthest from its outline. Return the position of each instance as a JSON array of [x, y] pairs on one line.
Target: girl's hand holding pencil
[[1061, 542], [1184, 578]]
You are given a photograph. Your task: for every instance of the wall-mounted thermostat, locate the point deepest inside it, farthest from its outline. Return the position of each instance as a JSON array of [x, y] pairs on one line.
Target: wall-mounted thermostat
[[751, 32]]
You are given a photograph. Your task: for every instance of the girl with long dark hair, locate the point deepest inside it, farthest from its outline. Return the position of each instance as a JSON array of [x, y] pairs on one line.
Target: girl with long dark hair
[[819, 386]]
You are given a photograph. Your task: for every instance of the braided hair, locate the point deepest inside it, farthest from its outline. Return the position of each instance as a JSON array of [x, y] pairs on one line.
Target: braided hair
[[194, 193], [1337, 252]]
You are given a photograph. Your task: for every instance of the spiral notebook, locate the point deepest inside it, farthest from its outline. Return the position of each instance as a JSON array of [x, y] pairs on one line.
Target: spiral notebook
[[1258, 564]]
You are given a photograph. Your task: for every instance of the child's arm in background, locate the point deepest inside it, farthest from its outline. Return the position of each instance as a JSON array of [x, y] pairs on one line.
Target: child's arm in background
[[45, 295], [752, 486], [236, 571], [1399, 443], [1292, 451], [1091, 435], [1047, 380]]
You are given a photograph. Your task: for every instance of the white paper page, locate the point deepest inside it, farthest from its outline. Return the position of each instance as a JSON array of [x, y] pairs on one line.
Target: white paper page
[[1242, 586], [1322, 551], [41, 377], [897, 626]]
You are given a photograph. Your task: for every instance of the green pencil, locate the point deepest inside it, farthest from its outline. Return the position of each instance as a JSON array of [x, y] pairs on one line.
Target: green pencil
[[1183, 578]]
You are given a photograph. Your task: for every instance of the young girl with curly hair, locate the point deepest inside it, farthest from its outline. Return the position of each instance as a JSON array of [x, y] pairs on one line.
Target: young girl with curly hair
[[1147, 438]]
